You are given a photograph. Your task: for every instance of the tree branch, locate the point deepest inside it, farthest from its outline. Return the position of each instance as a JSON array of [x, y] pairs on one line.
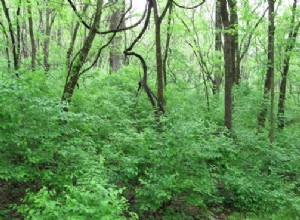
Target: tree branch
[[187, 7]]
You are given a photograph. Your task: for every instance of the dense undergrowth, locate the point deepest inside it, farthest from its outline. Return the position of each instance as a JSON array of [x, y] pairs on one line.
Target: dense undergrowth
[[109, 157]]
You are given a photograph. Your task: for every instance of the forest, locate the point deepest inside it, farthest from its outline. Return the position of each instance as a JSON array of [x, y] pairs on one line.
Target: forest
[[149, 109]]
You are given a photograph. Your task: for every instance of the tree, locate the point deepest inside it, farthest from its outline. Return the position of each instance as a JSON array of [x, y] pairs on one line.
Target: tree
[[115, 54], [80, 58], [218, 49], [291, 41], [229, 58], [12, 36], [235, 40], [159, 57], [73, 38], [31, 33], [269, 80], [49, 20], [7, 45]]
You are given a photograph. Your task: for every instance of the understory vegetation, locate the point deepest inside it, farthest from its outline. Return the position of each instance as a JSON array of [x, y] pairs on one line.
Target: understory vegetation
[[149, 110], [109, 157]]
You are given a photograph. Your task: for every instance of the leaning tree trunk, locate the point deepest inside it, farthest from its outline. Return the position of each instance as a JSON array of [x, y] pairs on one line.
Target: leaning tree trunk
[[74, 71], [7, 45], [12, 35], [73, 39]]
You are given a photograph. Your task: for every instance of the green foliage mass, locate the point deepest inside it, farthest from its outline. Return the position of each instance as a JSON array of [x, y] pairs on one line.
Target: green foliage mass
[[109, 157]]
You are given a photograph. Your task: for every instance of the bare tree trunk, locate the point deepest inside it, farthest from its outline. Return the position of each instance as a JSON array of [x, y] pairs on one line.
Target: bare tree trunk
[[12, 35], [218, 48], [25, 52], [235, 40], [271, 66], [74, 71], [167, 48], [270, 69], [159, 60], [18, 32], [47, 40], [229, 58], [286, 65], [73, 39], [40, 28], [48, 28], [7, 45], [115, 55], [31, 33]]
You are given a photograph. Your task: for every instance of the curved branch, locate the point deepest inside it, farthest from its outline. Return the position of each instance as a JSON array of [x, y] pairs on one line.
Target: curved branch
[[163, 14], [129, 52], [247, 44], [187, 7], [107, 44], [109, 31]]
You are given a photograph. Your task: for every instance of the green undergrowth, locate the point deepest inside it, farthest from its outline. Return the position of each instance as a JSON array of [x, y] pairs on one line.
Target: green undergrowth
[[110, 158]]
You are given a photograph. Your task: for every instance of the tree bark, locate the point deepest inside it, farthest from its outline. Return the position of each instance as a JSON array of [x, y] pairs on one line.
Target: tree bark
[[291, 41], [18, 31], [115, 55], [73, 39], [74, 71], [218, 48], [7, 45], [229, 58], [235, 40], [47, 40], [31, 33], [12, 36], [159, 59], [48, 28], [167, 48], [270, 69]]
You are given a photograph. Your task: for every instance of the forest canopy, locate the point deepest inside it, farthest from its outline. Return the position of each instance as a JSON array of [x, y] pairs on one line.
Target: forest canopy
[[155, 109]]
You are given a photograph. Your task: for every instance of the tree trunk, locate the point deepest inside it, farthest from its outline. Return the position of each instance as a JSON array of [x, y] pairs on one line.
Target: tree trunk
[[31, 33], [235, 40], [47, 40], [270, 69], [218, 48], [40, 28], [271, 66], [48, 28], [26, 52], [159, 60], [229, 58], [286, 65], [18, 32], [167, 48], [73, 39], [115, 54], [74, 71], [12, 36], [7, 45]]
